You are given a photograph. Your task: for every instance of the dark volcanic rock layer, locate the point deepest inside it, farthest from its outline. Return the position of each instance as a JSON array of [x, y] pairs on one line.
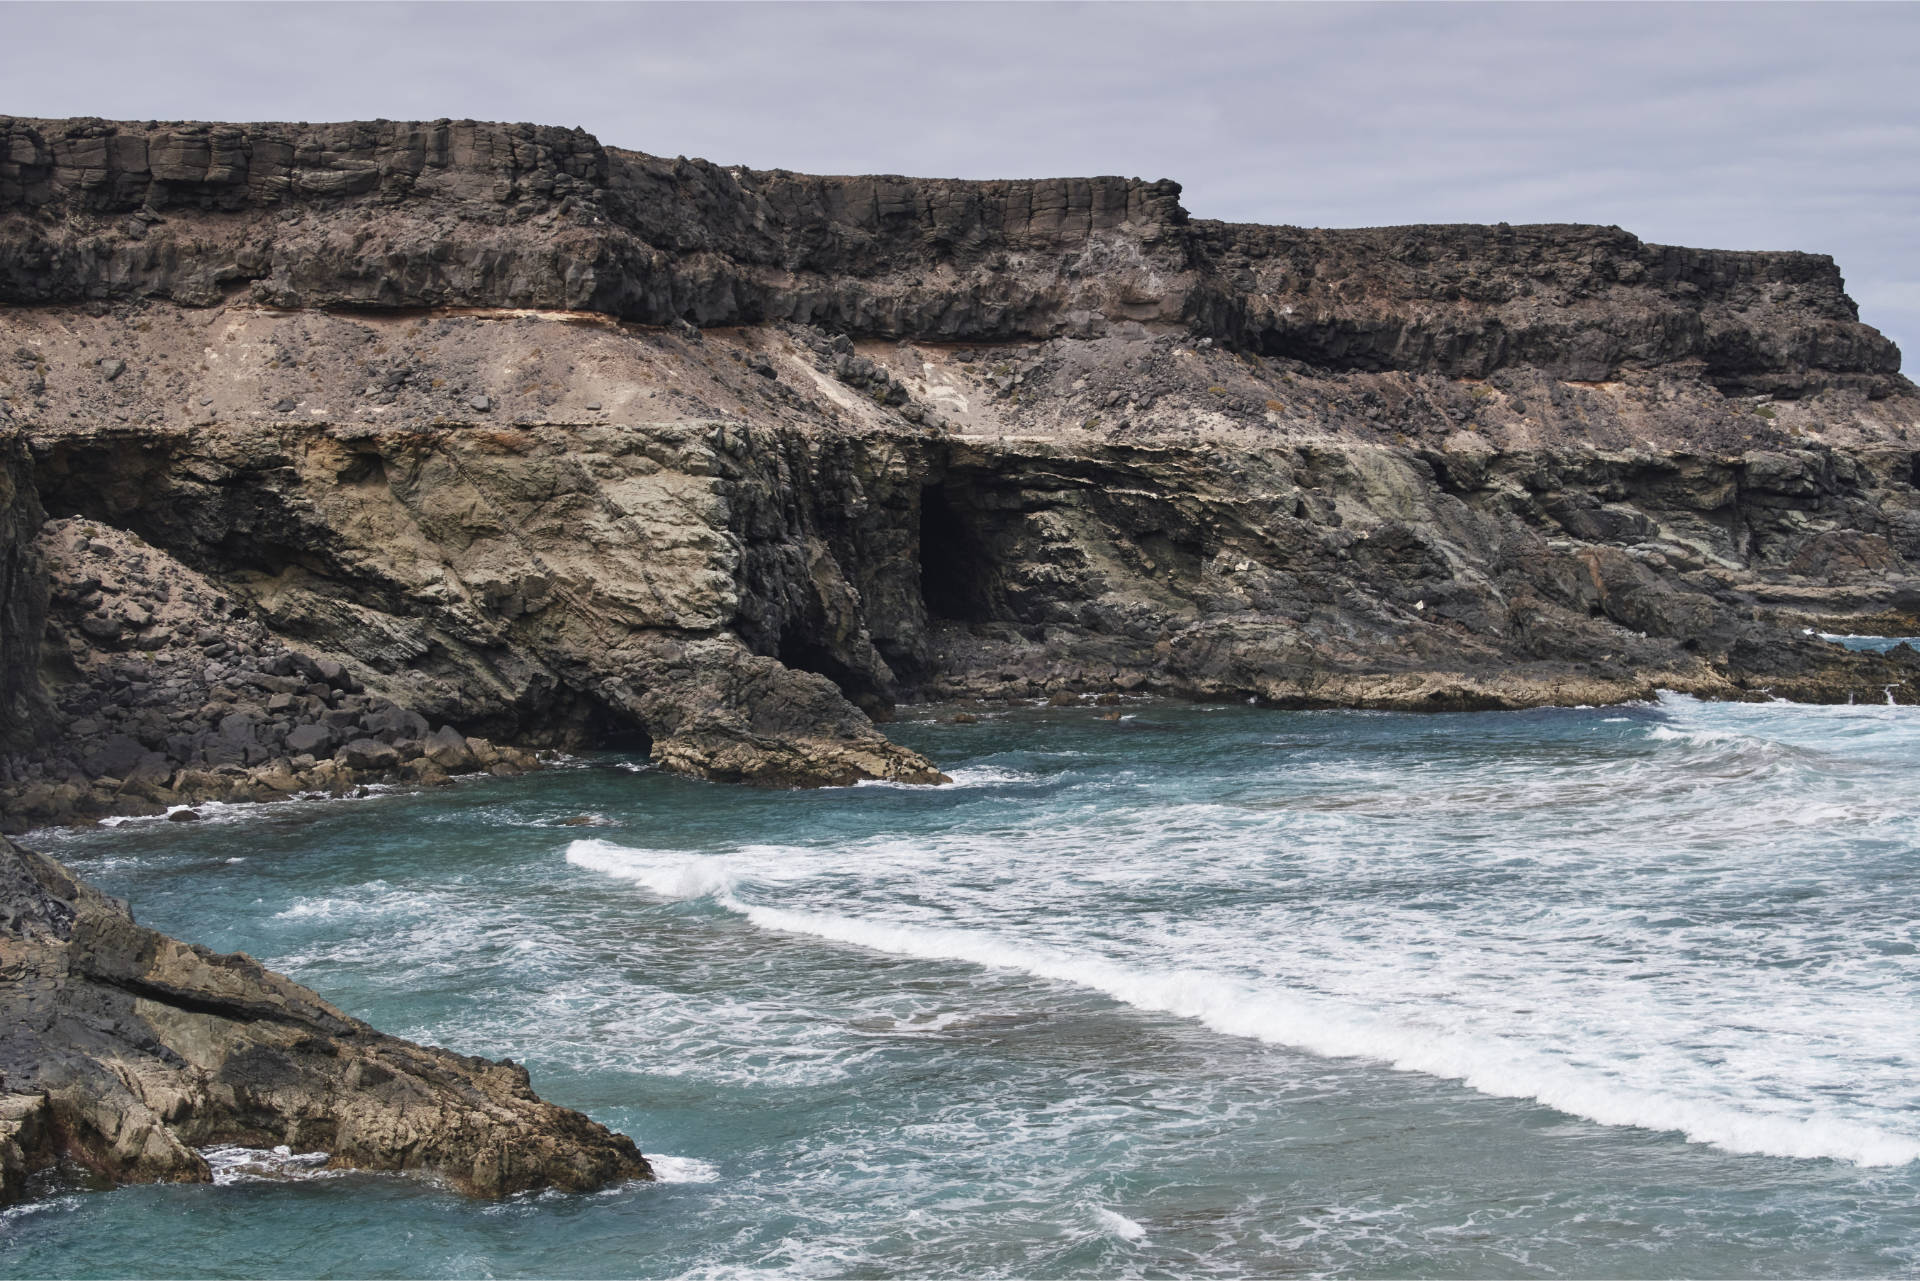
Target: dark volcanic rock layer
[[353, 432], [389, 215], [123, 1051]]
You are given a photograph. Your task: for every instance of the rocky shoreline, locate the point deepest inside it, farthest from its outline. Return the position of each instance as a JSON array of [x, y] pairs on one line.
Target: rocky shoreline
[[171, 695], [384, 452], [336, 455], [123, 1052]]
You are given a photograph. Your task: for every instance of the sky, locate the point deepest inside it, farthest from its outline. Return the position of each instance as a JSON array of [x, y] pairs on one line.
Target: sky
[[1737, 126]]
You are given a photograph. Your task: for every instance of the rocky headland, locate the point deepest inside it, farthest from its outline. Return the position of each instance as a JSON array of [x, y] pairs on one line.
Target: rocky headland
[[334, 454], [124, 1052]]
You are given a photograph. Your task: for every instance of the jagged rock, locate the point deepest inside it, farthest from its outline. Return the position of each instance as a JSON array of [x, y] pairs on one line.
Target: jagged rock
[[123, 1050], [662, 241]]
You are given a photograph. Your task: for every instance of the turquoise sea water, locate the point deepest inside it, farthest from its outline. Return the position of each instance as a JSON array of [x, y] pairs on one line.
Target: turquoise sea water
[[1203, 991]]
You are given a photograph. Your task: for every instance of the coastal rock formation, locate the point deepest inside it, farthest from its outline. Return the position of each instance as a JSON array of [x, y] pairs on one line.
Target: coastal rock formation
[[459, 213], [528, 438], [166, 694], [123, 1051]]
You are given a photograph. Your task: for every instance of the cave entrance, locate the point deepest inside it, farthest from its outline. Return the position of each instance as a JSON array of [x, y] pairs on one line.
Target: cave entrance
[[956, 568], [804, 654], [609, 729]]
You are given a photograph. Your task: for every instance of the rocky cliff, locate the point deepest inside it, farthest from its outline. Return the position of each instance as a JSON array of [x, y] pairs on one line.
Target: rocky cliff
[[23, 600], [495, 429], [124, 1052], [396, 215]]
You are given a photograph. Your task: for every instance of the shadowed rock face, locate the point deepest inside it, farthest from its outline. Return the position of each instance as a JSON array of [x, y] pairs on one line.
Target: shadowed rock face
[[123, 1050], [23, 599], [435, 426]]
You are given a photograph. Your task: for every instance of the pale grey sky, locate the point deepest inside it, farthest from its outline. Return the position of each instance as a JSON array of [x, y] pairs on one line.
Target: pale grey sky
[[1780, 126]]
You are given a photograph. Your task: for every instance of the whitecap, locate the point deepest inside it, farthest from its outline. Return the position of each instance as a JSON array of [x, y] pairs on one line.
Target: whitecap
[[964, 777], [233, 1164], [1117, 1225], [667, 873], [682, 1169]]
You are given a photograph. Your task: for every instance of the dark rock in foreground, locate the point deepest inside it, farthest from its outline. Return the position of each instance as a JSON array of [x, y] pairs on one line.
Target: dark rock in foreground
[[123, 1050]]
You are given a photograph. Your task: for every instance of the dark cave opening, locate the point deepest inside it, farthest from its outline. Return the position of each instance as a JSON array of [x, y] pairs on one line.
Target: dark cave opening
[[956, 569], [607, 729], [804, 654]]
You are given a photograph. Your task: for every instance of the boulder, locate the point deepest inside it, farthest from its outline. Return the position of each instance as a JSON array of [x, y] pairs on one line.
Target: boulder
[[447, 748], [392, 723], [312, 740], [369, 754]]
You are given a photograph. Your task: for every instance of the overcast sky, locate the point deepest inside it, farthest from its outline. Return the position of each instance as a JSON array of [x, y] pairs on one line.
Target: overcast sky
[[1726, 125]]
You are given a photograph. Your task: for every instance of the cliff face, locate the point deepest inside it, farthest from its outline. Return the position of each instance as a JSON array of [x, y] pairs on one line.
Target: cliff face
[[123, 1050], [23, 599], [396, 215], [436, 436]]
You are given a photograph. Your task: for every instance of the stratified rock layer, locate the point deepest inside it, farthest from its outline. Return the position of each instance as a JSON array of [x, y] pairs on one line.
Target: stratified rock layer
[[448, 213], [551, 444], [123, 1051]]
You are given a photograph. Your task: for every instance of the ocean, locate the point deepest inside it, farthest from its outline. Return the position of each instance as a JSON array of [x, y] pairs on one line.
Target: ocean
[[1201, 990]]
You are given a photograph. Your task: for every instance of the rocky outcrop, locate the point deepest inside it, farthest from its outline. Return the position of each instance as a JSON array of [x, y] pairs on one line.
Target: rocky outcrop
[[458, 213], [936, 440], [166, 693], [1575, 303], [124, 1051]]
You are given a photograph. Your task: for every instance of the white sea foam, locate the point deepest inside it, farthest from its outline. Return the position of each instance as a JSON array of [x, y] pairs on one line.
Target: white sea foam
[[1437, 1042], [1117, 1225], [661, 872], [375, 898], [967, 776], [231, 1165], [682, 1169], [1699, 737]]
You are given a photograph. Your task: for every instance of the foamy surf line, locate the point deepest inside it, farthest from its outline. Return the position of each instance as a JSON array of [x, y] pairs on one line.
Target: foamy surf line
[[964, 777], [1316, 1025]]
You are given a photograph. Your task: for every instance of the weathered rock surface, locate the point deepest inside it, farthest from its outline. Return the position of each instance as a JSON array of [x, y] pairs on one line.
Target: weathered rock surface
[[23, 598], [164, 692], [458, 213], [123, 1051], [935, 440]]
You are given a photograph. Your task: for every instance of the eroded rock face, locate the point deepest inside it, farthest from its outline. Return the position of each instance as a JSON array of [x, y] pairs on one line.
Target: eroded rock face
[[123, 1050], [23, 600], [163, 691], [938, 440], [391, 215]]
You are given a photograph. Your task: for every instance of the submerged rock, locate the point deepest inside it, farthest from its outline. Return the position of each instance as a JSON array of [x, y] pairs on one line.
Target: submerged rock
[[123, 1051]]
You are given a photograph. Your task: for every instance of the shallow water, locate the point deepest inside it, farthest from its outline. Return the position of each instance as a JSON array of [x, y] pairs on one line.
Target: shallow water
[[1622, 992], [1872, 644]]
